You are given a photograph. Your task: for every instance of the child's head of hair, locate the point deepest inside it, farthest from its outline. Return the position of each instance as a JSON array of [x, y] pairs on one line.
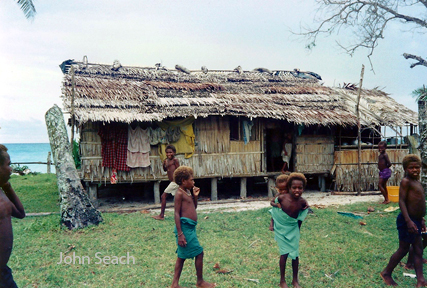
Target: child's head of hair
[[409, 159], [3, 151], [282, 178], [182, 173], [296, 176], [171, 147], [382, 143]]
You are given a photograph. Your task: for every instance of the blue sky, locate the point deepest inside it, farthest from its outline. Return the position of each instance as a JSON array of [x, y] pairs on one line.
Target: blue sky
[[215, 34]]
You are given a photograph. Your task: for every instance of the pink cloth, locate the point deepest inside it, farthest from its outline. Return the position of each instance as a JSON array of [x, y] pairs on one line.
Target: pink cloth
[[138, 151]]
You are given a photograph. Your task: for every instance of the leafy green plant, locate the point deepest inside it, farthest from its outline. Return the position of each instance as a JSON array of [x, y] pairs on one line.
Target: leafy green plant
[[76, 154], [19, 169]]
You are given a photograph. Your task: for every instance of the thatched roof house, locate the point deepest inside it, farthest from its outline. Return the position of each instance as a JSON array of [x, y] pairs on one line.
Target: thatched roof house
[[146, 94], [219, 100]]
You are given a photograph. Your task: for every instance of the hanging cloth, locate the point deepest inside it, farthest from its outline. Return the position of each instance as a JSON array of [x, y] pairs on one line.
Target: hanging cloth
[[114, 143], [186, 142], [138, 147], [247, 130]]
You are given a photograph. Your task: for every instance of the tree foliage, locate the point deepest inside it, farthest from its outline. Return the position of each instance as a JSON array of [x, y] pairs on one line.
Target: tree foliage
[[368, 20], [27, 6]]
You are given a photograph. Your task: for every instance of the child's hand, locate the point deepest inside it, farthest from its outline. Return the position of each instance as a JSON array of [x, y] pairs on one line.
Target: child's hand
[[412, 227], [279, 206], [196, 191], [182, 241]]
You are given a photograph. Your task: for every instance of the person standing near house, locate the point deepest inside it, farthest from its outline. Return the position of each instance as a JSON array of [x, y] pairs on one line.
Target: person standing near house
[[185, 227], [170, 164], [384, 165], [410, 221], [287, 225], [287, 153], [10, 206]]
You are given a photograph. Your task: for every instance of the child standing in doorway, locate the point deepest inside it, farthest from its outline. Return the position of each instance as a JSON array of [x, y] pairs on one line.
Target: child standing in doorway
[[170, 165], [385, 172]]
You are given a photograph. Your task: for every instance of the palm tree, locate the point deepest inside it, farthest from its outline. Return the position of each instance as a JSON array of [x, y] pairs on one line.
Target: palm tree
[[27, 6], [420, 94]]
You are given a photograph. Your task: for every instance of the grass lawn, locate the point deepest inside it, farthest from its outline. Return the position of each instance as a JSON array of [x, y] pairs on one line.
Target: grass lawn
[[331, 244]]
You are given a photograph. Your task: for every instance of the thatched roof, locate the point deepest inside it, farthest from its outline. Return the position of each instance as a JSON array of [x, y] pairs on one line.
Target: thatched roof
[[113, 93]]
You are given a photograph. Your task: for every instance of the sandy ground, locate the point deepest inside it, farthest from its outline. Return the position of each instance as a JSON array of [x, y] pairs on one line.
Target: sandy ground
[[314, 198]]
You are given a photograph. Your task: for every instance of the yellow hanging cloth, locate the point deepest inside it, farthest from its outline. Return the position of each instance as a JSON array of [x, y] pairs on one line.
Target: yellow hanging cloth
[[186, 143]]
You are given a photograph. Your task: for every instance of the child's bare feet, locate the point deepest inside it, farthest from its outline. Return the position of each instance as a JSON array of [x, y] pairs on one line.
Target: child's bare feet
[[283, 285], [158, 217], [177, 286], [296, 284], [271, 228], [388, 280], [409, 266], [205, 284], [421, 284], [386, 202]]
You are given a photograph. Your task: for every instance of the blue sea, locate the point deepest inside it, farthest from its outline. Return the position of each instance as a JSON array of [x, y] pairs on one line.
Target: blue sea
[[30, 152]]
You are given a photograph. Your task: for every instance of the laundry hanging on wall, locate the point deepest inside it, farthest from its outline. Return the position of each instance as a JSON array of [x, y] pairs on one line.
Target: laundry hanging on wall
[[114, 144], [138, 149], [186, 142]]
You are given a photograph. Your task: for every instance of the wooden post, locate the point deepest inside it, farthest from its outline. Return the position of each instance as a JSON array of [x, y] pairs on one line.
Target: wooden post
[[49, 162], [270, 186], [243, 188], [157, 192], [359, 135], [214, 189]]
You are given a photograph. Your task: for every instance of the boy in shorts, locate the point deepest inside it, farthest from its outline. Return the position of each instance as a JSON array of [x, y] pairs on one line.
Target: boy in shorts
[[170, 164], [410, 222]]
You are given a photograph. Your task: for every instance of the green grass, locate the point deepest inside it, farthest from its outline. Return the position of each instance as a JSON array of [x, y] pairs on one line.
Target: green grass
[[238, 241], [38, 193]]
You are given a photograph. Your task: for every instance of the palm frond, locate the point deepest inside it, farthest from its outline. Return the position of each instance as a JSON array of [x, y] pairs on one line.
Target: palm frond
[[420, 94], [27, 6]]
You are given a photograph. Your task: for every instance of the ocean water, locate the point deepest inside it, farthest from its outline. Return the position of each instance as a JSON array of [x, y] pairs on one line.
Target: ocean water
[[30, 152]]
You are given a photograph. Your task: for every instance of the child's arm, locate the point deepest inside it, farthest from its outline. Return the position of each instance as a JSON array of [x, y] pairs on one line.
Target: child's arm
[[274, 204], [387, 161], [403, 195], [283, 168], [196, 191], [165, 167], [178, 204], [17, 207], [176, 163]]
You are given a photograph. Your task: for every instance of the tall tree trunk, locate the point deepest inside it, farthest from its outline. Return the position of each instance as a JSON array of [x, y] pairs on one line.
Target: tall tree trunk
[[76, 209], [422, 119]]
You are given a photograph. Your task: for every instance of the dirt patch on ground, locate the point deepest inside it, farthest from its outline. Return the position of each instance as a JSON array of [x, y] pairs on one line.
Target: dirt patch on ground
[[314, 198]]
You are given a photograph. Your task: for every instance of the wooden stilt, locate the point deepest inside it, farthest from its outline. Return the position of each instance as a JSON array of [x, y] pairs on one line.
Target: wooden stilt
[[243, 188], [157, 192], [214, 189]]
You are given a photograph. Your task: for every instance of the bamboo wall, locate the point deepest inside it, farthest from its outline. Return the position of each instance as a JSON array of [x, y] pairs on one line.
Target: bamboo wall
[[215, 155], [314, 154], [346, 169]]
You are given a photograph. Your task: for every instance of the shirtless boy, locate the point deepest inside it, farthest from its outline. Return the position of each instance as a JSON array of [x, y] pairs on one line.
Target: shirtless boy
[[410, 222], [385, 172], [281, 188], [10, 205], [287, 224], [185, 229], [169, 165]]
